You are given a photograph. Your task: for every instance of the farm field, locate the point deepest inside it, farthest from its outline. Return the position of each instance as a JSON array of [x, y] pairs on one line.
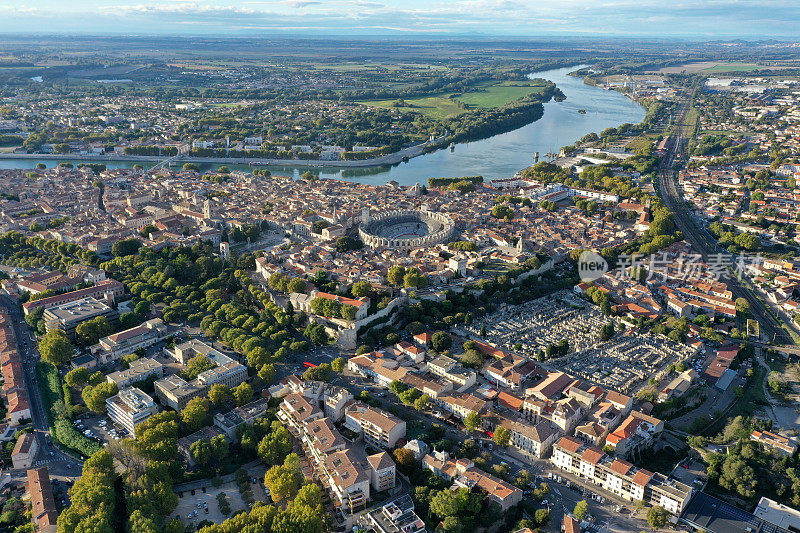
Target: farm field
[[711, 67], [498, 95], [448, 105], [436, 107]]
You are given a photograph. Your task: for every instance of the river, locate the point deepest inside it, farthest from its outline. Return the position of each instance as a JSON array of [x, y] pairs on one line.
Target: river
[[496, 157]]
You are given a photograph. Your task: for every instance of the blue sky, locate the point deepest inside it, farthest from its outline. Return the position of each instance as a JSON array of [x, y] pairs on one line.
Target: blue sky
[[702, 19]]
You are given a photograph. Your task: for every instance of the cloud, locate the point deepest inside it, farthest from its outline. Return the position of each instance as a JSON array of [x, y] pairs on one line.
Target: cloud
[[709, 18]]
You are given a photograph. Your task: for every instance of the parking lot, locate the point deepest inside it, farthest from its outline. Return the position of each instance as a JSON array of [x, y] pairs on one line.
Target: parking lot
[[194, 508]]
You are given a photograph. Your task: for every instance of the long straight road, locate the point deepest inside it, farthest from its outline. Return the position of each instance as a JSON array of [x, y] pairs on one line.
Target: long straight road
[[58, 461], [704, 242]]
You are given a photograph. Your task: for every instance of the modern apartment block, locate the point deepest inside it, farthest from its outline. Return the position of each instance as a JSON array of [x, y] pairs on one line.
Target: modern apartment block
[[379, 428], [620, 477], [176, 392], [346, 472], [138, 370], [69, 316], [130, 408]]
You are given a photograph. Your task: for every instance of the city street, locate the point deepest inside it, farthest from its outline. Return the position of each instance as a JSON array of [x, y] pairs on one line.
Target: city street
[[59, 462]]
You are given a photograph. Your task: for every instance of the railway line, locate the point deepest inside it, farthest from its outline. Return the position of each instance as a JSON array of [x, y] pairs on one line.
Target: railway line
[[702, 241]]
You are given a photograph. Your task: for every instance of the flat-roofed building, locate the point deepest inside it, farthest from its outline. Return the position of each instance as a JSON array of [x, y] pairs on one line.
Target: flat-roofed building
[[69, 316], [230, 421], [114, 346], [397, 516], [139, 370], [334, 401], [192, 348], [451, 370], [176, 392], [379, 428], [130, 407], [777, 514]]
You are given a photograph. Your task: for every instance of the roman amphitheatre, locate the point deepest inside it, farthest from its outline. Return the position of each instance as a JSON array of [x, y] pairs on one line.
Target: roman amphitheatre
[[406, 229]]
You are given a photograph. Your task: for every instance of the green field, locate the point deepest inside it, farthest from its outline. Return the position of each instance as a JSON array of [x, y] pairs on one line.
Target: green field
[[500, 94], [436, 107], [448, 105], [733, 67]]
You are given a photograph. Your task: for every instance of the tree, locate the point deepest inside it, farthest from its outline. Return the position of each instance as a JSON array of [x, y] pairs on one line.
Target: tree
[[283, 481], [657, 517], [89, 332], [502, 211], [396, 275], [404, 457], [219, 448], [541, 517], [361, 289], [243, 393], [196, 366], [275, 445], [126, 247], [472, 421], [297, 285], [267, 373], [55, 347], [742, 306], [348, 312], [338, 365], [201, 452], [77, 377], [195, 414], [452, 524], [347, 244], [422, 403], [502, 436], [95, 397], [414, 279], [581, 510], [441, 341], [219, 394]]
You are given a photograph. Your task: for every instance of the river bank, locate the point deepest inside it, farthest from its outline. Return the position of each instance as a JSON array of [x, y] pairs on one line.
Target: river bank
[[388, 159], [499, 156]]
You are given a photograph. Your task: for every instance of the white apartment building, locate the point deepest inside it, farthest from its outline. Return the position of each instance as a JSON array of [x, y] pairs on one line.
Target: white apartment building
[[130, 408], [620, 477]]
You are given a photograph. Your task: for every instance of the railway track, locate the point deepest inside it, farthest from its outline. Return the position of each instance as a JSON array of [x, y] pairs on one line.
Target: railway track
[[702, 241]]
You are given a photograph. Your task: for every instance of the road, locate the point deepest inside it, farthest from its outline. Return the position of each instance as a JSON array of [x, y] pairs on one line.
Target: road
[[60, 463], [704, 242]]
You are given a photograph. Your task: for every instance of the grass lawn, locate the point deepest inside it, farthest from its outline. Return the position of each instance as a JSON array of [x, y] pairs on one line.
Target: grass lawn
[[751, 401], [436, 107], [733, 67], [497, 95], [484, 96], [496, 268]]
